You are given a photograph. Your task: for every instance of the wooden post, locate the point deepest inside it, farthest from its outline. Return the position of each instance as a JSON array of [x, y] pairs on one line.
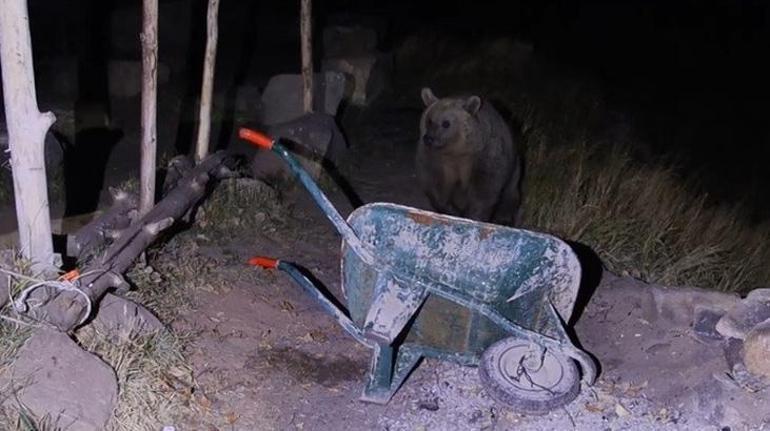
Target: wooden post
[[149, 39], [306, 34], [207, 88], [27, 128]]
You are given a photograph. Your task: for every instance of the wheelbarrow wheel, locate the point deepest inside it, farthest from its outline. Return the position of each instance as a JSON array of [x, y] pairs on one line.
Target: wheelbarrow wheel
[[529, 379]]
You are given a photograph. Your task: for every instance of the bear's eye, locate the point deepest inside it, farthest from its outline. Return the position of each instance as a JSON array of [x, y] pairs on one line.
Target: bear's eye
[[445, 124]]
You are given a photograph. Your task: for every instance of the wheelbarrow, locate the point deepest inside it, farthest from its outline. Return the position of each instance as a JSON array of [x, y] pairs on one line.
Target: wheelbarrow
[[421, 284]]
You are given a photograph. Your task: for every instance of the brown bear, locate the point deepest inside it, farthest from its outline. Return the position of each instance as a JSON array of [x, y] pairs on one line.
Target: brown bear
[[467, 160]]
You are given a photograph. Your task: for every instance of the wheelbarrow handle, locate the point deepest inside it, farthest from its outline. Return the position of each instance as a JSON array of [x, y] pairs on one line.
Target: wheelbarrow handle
[[264, 262], [257, 138], [309, 286], [264, 141]]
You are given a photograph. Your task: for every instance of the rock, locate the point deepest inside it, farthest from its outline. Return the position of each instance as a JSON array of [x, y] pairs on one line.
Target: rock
[[756, 350], [119, 317], [125, 77], [679, 304], [317, 138], [746, 314], [370, 75], [248, 100], [705, 322], [58, 379], [348, 41], [282, 98]]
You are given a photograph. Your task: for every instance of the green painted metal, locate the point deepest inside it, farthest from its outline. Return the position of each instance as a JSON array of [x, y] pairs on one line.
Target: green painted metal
[[421, 284]]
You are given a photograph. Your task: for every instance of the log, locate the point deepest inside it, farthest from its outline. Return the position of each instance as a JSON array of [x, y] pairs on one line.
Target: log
[[149, 39], [65, 309], [101, 229], [306, 34], [27, 128], [207, 88]]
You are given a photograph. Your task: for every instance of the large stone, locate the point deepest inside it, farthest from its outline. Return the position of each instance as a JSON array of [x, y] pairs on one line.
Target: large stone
[[282, 98], [248, 100], [119, 317], [370, 75], [679, 305], [54, 377], [125, 77], [348, 41], [746, 314], [756, 350], [315, 139]]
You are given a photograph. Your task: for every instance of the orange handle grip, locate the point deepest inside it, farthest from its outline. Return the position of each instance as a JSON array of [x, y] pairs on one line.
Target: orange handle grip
[[264, 262], [70, 276], [257, 138]]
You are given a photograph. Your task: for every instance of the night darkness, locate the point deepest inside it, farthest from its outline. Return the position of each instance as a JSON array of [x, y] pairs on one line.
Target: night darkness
[[605, 154]]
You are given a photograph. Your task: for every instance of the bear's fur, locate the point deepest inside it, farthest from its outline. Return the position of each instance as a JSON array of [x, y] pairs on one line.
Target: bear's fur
[[468, 161]]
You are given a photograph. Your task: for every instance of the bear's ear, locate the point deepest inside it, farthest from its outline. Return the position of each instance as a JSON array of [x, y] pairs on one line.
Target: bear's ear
[[473, 104], [428, 98]]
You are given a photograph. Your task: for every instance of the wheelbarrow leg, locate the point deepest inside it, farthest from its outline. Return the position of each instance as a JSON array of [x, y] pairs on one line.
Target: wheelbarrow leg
[[384, 379], [392, 308]]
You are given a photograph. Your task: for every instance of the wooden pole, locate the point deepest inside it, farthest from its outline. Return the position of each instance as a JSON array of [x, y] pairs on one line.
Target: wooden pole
[[207, 88], [306, 34], [149, 39], [27, 128]]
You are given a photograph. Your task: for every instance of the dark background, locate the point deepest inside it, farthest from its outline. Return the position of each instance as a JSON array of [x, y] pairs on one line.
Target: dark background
[[692, 75]]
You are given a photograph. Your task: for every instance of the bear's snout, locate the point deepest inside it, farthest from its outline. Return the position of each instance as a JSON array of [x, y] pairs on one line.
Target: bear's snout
[[428, 140]]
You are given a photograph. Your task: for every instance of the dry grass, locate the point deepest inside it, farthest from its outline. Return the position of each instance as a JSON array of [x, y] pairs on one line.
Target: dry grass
[[586, 184], [154, 379], [155, 383]]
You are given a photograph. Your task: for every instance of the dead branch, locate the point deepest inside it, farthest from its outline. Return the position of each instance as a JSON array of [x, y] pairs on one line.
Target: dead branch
[[65, 309]]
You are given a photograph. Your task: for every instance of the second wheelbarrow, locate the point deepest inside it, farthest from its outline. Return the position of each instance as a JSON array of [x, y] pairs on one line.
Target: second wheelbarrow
[[421, 284]]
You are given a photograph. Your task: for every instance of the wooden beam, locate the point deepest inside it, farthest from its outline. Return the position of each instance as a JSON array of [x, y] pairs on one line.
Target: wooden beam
[[27, 128], [207, 88], [306, 34], [149, 39]]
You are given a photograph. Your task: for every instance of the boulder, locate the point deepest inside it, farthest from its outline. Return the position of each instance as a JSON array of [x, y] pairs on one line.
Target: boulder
[[746, 314], [282, 98], [756, 350], [315, 140], [369, 74], [120, 317], [54, 377], [248, 100]]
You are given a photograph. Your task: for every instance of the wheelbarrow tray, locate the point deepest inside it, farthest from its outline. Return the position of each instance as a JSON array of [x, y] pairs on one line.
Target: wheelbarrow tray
[[472, 273]]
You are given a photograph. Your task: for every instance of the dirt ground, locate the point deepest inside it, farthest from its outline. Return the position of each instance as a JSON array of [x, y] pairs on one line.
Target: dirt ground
[[266, 356]]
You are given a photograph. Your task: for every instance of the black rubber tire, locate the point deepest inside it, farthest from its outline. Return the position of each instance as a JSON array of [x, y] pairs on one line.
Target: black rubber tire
[[556, 382]]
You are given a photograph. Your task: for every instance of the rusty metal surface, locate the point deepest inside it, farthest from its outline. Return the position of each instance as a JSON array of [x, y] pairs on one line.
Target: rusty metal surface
[[516, 272]]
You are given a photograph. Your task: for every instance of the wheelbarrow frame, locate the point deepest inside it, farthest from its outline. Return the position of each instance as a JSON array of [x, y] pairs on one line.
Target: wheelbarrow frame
[[396, 349]]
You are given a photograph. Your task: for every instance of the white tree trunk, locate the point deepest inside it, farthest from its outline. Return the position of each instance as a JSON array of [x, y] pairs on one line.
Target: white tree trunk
[[306, 34], [207, 88], [27, 128], [149, 39]]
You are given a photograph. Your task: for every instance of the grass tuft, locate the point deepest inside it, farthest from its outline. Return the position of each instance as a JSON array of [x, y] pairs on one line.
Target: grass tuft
[[589, 179]]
